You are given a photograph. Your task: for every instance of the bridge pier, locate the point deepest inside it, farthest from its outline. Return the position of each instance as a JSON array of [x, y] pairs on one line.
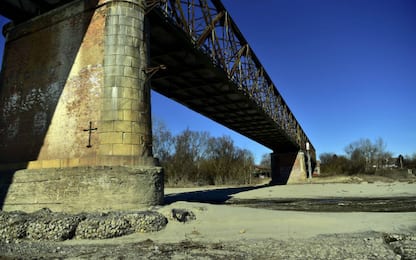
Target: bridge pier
[[75, 124], [288, 168]]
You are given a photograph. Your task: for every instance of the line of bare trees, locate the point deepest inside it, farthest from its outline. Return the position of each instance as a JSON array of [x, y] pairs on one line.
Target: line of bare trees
[[363, 156], [196, 158]]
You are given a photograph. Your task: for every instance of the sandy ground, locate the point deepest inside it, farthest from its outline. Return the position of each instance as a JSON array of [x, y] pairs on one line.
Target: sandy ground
[[216, 223], [224, 231], [222, 222]]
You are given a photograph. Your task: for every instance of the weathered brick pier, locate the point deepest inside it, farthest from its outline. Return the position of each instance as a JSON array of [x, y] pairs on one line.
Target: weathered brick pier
[[75, 110]]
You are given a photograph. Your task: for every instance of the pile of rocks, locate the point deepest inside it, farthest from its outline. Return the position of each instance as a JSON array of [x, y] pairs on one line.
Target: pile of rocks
[[402, 244], [47, 225]]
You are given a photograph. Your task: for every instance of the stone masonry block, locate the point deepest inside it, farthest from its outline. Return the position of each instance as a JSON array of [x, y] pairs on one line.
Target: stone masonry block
[[119, 115], [122, 29], [114, 70], [124, 103], [109, 103], [131, 11], [122, 149], [117, 103], [138, 128], [105, 149], [130, 115], [119, 9], [110, 81], [113, 49], [113, 82], [122, 9], [124, 60], [112, 19], [134, 93], [112, 40], [34, 165], [51, 163], [130, 30], [85, 161], [137, 22], [122, 160], [137, 150], [135, 105], [122, 126], [131, 72], [72, 162], [131, 41], [135, 62], [127, 93], [111, 138], [125, 20], [139, 19], [127, 29], [110, 114], [132, 51], [106, 126], [126, 138], [129, 138], [111, 92], [129, 82], [112, 31], [112, 59]]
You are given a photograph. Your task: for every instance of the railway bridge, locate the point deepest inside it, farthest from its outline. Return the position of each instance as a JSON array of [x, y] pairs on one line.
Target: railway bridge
[[75, 97]]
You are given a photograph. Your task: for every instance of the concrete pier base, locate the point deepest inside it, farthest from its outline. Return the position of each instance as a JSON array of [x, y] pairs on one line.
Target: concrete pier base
[[75, 115], [82, 189], [288, 168]]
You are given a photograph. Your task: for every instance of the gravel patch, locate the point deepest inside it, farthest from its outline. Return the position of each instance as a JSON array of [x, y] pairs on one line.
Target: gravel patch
[[369, 245], [52, 226]]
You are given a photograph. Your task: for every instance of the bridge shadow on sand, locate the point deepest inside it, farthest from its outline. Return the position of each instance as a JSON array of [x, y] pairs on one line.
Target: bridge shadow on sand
[[214, 196]]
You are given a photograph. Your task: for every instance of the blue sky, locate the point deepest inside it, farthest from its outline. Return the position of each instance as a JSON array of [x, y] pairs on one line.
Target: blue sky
[[346, 68]]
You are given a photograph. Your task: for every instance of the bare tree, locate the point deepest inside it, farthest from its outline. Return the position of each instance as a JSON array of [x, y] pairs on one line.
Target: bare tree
[[196, 158], [364, 153], [227, 164], [163, 141], [266, 161]]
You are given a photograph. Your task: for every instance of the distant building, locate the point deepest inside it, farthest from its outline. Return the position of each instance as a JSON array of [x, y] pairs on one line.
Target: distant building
[[390, 163]]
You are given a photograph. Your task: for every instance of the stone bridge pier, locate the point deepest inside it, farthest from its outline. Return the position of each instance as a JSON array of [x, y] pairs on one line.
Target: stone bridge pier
[[75, 124], [289, 167]]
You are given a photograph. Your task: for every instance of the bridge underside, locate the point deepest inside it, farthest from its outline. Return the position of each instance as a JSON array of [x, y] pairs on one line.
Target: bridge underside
[[25, 9], [192, 79]]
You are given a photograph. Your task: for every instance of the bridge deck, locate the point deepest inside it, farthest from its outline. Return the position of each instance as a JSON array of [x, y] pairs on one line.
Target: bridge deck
[[192, 79]]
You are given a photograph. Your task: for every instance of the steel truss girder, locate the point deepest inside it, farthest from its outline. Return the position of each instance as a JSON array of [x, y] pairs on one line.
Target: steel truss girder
[[212, 30]]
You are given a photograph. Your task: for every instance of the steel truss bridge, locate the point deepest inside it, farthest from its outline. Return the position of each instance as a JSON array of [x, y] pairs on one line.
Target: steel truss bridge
[[200, 58], [211, 68]]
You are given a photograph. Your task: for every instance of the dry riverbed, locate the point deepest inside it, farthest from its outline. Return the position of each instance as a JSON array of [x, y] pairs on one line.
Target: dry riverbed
[[247, 223]]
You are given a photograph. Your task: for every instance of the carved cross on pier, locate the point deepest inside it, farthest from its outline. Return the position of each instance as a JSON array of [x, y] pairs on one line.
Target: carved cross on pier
[[90, 129]]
